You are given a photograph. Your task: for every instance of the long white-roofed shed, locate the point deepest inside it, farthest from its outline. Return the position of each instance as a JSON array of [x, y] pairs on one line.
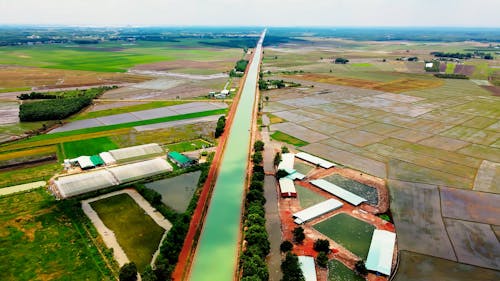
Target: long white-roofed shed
[[338, 191], [287, 161], [315, 160], [316, 210], [381, 251], [136, 152], [107, 158], [77, 184], [308, 268], [138, 170]]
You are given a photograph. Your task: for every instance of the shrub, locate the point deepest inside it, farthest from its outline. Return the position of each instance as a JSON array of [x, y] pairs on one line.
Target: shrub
[[298, 235], [284, 149], [360, 268], [291, 269], [322, 245], [128, 272], [258, 145], [221, 124], [257, 157], [322, 260], [281, 174], [277, 159], [286, 246]]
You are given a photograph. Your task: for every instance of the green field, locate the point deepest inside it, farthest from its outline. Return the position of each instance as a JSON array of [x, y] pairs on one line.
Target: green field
[[337, 271], [136, 232], [40, 240], [87, 147], [353, 234], [107, 57], [30, 174], [307, 197], [280, 136], [188, 145]]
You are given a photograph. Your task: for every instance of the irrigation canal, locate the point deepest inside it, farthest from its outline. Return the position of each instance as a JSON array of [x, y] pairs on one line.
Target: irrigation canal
[[217, 251]]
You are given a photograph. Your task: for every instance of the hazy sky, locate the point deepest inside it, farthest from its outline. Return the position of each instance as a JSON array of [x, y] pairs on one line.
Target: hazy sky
[[477, 13]]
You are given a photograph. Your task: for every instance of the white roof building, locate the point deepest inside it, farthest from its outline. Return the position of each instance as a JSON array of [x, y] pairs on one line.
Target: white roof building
[[429, 65], [316, 210], [381, 251], [138, 170], [83, 161], [315, 160], [136, 152], [107, 158], [308, 268], [287, 187], [338, 191], [287, 161], [77, 184]]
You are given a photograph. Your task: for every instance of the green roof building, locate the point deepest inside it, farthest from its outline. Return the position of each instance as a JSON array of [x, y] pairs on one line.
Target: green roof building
[[180, 159], [96, 160]]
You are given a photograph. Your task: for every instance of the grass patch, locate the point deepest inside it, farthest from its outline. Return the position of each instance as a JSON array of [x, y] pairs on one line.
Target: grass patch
[[19, 89], [30, 174], [125, 109], [450, 68], [87, 147], [337, 271], [273, 119], [136, 232], [307, 197], [353, 234], [280, 136], [41, 240], [188, 145], [177, 192]]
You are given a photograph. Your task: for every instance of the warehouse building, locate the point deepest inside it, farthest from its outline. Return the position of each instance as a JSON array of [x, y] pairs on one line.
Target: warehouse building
[[138, 152], [381, 252], [314, 160], [139, 170], [316, 210], [343, 194], [180, 160], [107, 158], [287, 188], [308, 268]]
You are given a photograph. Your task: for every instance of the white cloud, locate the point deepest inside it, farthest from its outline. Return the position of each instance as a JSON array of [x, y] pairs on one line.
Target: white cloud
[[257, 12]]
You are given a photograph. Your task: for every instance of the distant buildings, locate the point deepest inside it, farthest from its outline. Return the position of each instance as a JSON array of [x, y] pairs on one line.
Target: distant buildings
[[180, 159]]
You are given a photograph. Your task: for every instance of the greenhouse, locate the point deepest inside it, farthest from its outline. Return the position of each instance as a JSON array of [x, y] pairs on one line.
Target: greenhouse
[[135, 171], [136, 152], [77, 184]]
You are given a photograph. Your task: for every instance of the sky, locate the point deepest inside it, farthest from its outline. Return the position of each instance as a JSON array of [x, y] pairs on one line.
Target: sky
[[367, 13]]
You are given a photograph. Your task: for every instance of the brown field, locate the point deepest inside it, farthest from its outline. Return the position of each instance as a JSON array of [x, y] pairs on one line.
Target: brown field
[[28, 152], [214, 66], [18, 77], [395, 86]]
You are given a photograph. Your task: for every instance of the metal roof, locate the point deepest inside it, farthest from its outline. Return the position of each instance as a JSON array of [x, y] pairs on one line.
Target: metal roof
[[381, 251], [295, 176], [287, 186], [339, 192], [317, 210], [139, 170], [315, 160], [96, 160], [308, 268], [107, 158], [85, 162], [286, 163], [139, 151], [179, 158], [77, 184]]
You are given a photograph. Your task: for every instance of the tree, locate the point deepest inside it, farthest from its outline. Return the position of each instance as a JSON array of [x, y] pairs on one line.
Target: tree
[[221, 124], [256, 185], [322, 245], [286, 246], [341, 61], [267, 98], [258, 145], [128, 272], [291, 268], [322, 260], [148, 274], [284, 149], [257, 157], [360, 268], [298, 235], [277, 159], [255, 219], [281, 174]]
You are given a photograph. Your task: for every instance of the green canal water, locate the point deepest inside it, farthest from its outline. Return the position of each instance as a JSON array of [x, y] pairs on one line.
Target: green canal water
[[215, 258]]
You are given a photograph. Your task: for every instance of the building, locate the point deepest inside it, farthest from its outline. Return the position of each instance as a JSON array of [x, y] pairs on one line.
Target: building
[[341, 193], [381, 252], [287, 188], [180, 160], [315, 160], [308, 268], [316, 210], [135, 153], [107, 158], [83, 161]]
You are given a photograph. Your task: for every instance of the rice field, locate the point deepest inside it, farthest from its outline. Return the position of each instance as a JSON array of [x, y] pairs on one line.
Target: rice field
[[87, 147], [136, 232], [280, 136], [351, 233], [365, 191]]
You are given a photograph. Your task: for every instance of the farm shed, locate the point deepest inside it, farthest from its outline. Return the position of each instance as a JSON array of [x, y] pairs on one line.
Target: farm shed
[[343, 194], [381, 251], [287, 188], [83, 161], [180, 160], [286, 163], [139, 170], [136, 152], [316, 210], [107, 158], [308, 268], [295, 176], [315, 160], [77, 184]]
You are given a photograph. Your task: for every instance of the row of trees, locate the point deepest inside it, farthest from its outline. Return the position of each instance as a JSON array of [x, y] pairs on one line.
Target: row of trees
[[253, 264], [486, 56], [90, 93], [271, 84], [451, 76]]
